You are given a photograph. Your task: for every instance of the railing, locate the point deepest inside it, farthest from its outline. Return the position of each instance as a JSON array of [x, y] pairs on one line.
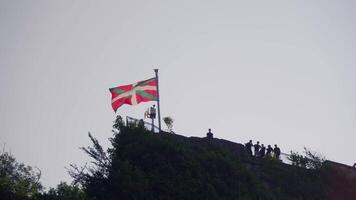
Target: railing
[[135, 122], [284, 158]]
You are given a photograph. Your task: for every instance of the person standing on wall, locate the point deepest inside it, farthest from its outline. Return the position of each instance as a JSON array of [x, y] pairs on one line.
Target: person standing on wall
[[248, 147], [277, 151], [257, 148]]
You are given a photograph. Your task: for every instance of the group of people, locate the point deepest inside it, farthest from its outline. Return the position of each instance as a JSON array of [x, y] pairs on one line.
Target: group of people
[[262, 151]]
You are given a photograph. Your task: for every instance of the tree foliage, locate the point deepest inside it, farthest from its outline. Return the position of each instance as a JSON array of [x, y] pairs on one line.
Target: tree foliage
[[311, 159], [315, 160], [18, 181], [99, 168], [64, 192], [169, 123]]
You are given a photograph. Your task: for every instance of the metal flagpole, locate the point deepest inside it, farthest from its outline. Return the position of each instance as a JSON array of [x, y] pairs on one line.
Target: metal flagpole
[[158, 107]]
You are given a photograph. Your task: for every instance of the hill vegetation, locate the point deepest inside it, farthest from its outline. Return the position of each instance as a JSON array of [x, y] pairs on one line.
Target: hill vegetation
[[146, 165]]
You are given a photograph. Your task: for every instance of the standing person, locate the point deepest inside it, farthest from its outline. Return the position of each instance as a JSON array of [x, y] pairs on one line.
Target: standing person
[[141, 124], [152, 115], [257, 148], [269, 151], [277, 151], [262, 152], [209, 134], [153, 112], [248, 147]]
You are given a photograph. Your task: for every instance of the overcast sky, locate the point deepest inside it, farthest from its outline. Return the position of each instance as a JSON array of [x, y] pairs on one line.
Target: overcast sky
[[281, 72]]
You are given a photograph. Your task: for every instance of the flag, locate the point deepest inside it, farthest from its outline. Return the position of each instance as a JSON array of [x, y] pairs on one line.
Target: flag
[[134, 94]]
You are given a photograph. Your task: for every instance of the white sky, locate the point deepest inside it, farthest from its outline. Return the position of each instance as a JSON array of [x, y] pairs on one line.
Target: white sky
[[275, 71]]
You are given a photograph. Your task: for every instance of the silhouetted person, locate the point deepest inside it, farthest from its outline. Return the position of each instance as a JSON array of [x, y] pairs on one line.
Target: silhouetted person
[[257, 148], [269, 151], [262, 151], [209, 134], [248, 147], [152, 116], [141, 124], [153, 112], [277, 151], [354, 165]]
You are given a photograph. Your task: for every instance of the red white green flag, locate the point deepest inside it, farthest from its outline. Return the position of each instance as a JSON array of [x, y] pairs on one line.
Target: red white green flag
[[134, 94]]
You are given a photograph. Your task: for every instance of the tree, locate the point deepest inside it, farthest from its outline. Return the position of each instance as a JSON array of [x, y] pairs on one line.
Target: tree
[[169, 123], [297, 159], [118, 123], [100, 164], [315, 160], [93, 178], [64, 192], [18, 181], [311, 160]]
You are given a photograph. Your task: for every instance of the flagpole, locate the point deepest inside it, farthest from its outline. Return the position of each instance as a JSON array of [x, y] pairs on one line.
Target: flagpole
[[158, 107]]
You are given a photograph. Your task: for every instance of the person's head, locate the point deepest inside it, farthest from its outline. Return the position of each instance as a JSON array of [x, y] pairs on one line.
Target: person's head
[[262, 145], [275, 145], [250, 141], [258, 142], [154, 105], [209, 129], [269, 145]]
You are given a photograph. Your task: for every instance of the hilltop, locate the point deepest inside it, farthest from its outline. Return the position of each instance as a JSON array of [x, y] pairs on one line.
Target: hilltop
[[146, 165]]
